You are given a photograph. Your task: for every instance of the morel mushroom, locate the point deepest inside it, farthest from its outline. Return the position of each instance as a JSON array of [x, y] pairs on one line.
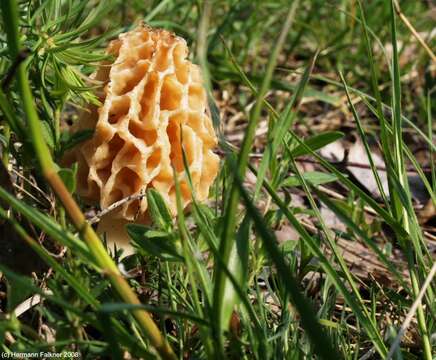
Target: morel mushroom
[[153, 103]]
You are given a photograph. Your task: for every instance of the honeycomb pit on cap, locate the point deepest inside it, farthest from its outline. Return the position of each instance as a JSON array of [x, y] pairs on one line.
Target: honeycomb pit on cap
[[153, 100]]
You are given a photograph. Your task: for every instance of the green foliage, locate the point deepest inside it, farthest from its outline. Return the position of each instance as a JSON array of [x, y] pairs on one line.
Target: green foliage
[[216, 279]]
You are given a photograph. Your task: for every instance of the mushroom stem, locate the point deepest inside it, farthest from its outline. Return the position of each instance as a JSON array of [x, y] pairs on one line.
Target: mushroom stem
[[10, 16]]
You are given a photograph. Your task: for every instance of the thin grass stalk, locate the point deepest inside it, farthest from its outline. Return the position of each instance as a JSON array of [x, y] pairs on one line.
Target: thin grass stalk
[[418, 37], [394, 224], [247, 307], [44, 255], [417, 166], [365, 143], [173, 305], [202, 43], [379, 107], [208, 236], [228, 235], [409, 154], [319, 339], [10, 17], [400, 168], [156, 10], [80, 290], [396, 126], [367, 98], [346, 219], [191, 265], [396, 343], [375, 334], [5, 150], [9, 114], [430, 136], [281, 126], [329, 270]]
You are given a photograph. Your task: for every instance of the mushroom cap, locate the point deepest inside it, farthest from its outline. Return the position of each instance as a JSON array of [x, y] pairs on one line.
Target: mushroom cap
[[153, 103]]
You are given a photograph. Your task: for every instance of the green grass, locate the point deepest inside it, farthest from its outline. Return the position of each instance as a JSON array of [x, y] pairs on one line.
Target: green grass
[[216, 282]]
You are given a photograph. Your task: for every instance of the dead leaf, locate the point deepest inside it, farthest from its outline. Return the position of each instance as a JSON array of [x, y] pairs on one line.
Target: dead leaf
[[418, 190], [357, 156], [334, 151], [357, 163], [427, 213], [5, 183], [331, 220], [286, 233]]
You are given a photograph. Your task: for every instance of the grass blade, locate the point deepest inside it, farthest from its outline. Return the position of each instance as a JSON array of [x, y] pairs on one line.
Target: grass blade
[[228, 236], [365, 144], [320, 340]]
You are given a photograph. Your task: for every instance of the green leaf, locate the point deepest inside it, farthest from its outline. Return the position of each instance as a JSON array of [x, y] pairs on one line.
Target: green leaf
[[163, 245], [327, 266], [238, 264], [365, 144], [318, 337], [316, 142], [158, 210], [285, 121], [288, 246], [313, 177], [230, 219], [342, 213], [68, 176], [26, 283], [47, 134], [70, 140], [47, 224], [46, 256]]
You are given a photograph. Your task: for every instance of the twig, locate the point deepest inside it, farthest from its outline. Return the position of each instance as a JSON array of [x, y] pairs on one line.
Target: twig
[[29, 303], [348, 164], [112, 207], [413, 31], [21, 189], [32, 184], [336, 195], [368, 355], [9, 338], [412, 312]]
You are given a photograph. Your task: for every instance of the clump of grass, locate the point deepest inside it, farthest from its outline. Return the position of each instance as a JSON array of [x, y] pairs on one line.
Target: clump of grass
[[216, 282]]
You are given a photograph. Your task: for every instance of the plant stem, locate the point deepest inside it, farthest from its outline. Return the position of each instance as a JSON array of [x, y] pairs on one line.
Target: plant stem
[[202, 43], [228, 235], [402, 213], [5, 150]]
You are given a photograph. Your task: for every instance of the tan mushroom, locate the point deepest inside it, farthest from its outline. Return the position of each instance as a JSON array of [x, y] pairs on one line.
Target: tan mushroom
[[153, 101]]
